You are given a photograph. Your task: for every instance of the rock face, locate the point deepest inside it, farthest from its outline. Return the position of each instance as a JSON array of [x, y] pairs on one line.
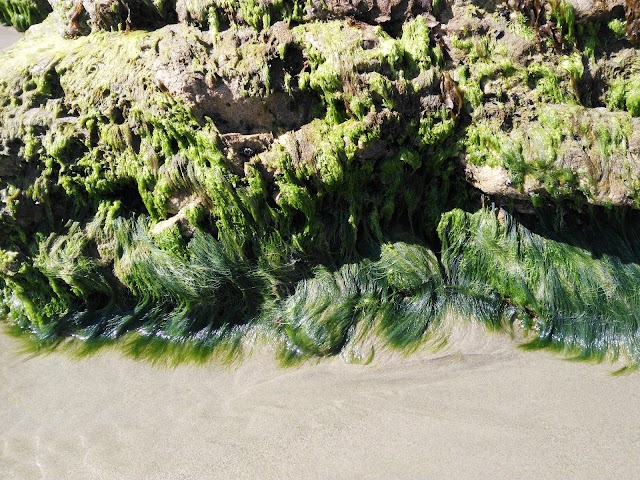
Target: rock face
[[566, 151], [590, 9], [197, 171]]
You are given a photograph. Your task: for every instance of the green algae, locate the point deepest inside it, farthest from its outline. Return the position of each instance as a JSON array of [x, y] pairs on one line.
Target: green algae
[[21, 14], [564, 15], [219, 14], [520, 26], [534, 152], [568, 295], [117, 162], [617, 26], [157, 239], [624, 95]]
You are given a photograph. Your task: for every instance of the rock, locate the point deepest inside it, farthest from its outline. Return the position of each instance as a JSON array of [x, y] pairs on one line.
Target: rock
[[240, 149], [574, 152], [496, 181], [84, 16], [593, 9], [368, 11], [179, 206], [10, 160]]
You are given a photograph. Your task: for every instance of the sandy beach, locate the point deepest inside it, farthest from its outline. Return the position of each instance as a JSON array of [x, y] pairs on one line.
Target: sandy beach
[[480, 409]]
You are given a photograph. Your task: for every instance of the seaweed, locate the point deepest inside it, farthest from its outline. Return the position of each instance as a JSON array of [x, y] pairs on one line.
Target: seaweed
[[566, 294], [298, 182], [196, 242], [21, 14], [219, 15], [552, 20]]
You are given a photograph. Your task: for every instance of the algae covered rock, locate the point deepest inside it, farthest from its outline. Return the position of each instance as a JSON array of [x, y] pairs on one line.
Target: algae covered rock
[[182, 178], [269, 150], [568, 151], [83, 16], [552, 109]]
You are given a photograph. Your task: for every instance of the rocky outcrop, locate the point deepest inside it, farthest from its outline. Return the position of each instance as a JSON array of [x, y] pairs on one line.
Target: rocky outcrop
[[268, 145], [548, 121], [567, 152], [191, 172]]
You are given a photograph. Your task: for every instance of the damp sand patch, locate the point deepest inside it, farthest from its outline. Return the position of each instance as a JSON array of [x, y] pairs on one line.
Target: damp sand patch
[[8, 36], [477, 408]]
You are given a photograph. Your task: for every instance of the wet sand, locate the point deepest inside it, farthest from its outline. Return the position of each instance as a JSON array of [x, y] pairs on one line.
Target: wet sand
[[481, 409], [8, 36]]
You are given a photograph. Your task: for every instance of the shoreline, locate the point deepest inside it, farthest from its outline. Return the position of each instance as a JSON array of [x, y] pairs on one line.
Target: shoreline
[[479, 408]]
